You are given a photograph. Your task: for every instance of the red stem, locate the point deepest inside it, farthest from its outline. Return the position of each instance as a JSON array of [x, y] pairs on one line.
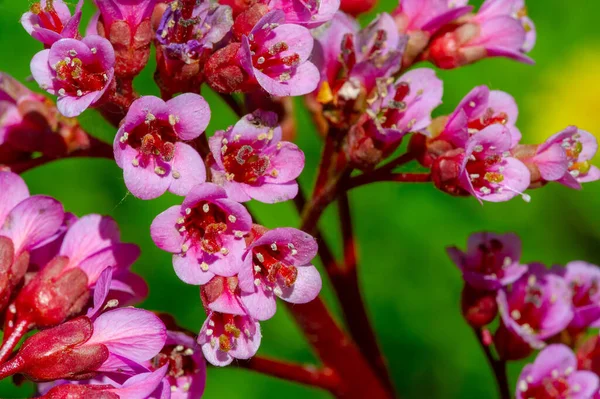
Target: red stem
[[324, 378], [348, 291], [375, 176], [233, 104], [498, 366], [337, 352], [97, 149], [10, 341], [9, 368]]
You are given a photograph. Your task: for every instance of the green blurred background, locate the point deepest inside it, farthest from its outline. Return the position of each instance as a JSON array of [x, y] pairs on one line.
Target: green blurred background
[[411, 288]]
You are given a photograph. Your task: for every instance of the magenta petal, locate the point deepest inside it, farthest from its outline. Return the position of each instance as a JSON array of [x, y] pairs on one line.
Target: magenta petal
[[100, 292], [303, 81], [554, 357], [144, 182], [273, 193], [187, 268], [210, 349], [41, 72], [228, 303], [587, 383], [235, 191], [140, 108], [119, 256], [203, 192], [188, 169], [592, 175], [500, 101], [32, 221], [12, 191], [192, 115], [298, 39], [73, 106], [135, 334], [142, 385], [305, 289], [288, 162], [87, 236], [552, 162], [247, 345], [260, 304], [164, 230]]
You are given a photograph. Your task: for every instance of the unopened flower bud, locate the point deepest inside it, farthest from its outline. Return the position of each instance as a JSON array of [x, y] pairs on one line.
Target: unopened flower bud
[[53, 295], [57, 353], [11, 270], [479, 307], [357, 7], [223, 72], [246, 20], [445, 172]]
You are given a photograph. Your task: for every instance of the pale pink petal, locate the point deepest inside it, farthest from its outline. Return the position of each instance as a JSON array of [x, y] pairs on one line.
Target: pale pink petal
[[192, 115], [273, 193], [260, 304], [12, 191], [32, 221], [189, 169], [87, 236], [164, 230], [305, 289], [135, 334]]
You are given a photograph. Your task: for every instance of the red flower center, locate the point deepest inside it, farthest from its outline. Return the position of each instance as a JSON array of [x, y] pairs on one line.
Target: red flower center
[[272, 60], [487, 119], [490, 261], [48, 17], [204, 224], [78, 79], [243, 163], [269, 266], [179, 358], [154, 137], [550, 388]]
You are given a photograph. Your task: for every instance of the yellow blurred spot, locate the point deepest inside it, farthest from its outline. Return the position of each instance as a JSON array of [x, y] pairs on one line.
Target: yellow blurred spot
[[325, 95], [566, 95]]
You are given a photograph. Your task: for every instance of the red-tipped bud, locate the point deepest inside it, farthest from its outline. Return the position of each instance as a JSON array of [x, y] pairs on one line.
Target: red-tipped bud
[[445, 49], [445, 173], [53, 294], [356, 7], [244, 22], [479, 308], [11, 270], [223, 71], [509, 345], [57, 353]]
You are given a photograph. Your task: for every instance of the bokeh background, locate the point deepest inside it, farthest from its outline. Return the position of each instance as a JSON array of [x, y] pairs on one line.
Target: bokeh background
[[411, 288]]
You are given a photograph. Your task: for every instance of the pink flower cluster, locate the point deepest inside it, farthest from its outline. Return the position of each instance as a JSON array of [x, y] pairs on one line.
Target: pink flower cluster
[[69, 277], [538, 307], [54, 266]]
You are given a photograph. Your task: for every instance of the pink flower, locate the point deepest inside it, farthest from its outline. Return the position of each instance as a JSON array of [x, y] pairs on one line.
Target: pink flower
[[480, 108], [500, 29], [404, 106], [77, 71], [428, 15], [141, 385], [276, 55], [150, 148], [584, 280], [225, 337], [277, 264], [50, 20], [205, 234], [118, 340], [27, 221], [186, 372], [364, 56], [565, 158], [251, 161], [537, 306], [61, 289], [30, 123], [491, 260], [485, 169], [221, 294], [554, 374], [310, 13]]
